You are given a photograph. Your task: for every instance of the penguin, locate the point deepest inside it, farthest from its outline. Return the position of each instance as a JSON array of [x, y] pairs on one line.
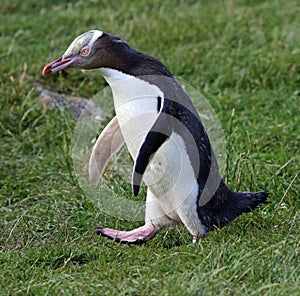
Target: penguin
[[164, 134]]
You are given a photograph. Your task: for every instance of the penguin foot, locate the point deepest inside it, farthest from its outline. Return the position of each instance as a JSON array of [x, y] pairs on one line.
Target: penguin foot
[[136, 236]]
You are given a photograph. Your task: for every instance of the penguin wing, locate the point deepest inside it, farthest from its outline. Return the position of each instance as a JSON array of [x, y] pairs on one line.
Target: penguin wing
[[185, 121], [107, 144], [157, 135]]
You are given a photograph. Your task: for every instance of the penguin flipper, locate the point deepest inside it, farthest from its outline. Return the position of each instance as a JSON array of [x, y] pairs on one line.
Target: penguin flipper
[[107, 144], [157, 135]]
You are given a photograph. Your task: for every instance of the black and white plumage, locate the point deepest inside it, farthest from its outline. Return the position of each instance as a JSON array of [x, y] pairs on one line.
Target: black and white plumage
[[164, 135]]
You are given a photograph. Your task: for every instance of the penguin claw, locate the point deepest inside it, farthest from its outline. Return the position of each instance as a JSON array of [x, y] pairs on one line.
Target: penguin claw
[[136, 236]]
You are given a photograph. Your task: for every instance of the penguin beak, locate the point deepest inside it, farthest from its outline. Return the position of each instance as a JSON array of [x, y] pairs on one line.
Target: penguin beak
[[59, 64]]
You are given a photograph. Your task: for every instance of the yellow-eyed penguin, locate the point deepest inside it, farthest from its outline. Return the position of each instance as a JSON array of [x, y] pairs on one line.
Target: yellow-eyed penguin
[[165, 137]]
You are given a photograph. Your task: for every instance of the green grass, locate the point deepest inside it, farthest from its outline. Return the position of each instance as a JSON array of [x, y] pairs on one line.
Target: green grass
[[242, 55]]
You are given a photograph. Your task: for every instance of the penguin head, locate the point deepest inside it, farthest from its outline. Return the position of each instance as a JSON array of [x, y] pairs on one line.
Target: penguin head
[[91, 50]]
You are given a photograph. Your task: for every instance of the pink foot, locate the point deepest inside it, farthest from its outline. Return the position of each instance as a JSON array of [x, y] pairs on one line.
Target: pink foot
[[135, 236]]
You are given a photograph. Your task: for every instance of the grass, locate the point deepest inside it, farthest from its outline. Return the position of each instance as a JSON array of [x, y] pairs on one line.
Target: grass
[[243, 56]]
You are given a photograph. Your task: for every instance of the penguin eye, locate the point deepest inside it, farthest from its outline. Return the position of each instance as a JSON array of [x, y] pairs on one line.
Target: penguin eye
[[84, 51]]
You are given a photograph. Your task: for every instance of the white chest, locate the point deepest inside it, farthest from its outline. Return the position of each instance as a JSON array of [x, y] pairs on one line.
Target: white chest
[[136, 104]]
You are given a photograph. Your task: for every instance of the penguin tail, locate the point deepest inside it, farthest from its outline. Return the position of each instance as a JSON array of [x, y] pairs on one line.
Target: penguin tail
[[249, 201], [224, 208], [243, 202]]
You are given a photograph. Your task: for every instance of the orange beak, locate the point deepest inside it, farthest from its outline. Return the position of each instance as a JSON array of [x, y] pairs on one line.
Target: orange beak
[[59, 65]]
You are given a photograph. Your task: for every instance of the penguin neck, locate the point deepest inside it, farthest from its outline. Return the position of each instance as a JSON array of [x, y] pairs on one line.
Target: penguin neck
[[126, 87], [113, 76]]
